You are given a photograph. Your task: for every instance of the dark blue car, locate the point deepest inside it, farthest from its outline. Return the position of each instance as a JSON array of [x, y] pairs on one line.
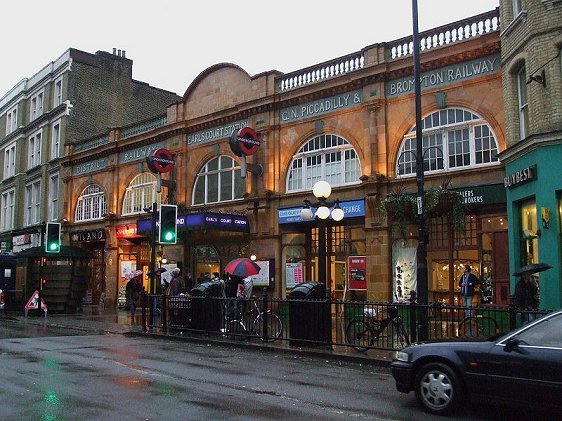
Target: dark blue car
[[523, 367]]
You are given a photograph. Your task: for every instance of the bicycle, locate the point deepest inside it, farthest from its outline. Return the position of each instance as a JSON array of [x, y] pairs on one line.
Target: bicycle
[[362, 332], [478, 325], [236, 328]]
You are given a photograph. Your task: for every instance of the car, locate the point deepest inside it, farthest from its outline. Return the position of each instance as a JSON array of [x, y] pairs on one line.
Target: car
[[521, 368]]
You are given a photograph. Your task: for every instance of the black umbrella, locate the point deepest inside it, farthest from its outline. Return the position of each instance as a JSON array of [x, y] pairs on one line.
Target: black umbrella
[[158, 271], [532, 268]]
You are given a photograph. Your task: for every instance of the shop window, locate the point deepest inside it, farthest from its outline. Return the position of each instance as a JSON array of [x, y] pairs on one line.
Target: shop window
[[439, 233], [326, 157], [467, 237], [523, 103], [91, 204], [529, 234], [219, 181], [452, 139], [141, 193]]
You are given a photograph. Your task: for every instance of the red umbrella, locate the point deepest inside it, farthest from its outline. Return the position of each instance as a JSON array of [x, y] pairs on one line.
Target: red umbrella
[[242, 267]]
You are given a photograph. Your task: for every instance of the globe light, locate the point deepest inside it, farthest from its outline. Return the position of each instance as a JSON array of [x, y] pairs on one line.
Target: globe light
[[306, 214], [322, 189], [323, 212], [253, 257], [337, 213]]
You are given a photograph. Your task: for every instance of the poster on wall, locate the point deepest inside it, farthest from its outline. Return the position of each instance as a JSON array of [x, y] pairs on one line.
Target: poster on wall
[[265, 277], [357, 276], [127, 266], [404, 277], [293, 274]]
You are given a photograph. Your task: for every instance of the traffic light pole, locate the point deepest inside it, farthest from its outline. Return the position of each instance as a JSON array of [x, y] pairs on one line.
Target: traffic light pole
[[41, 263], [152, 272]]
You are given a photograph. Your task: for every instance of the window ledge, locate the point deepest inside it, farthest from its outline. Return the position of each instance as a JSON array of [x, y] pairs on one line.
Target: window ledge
[[520, 18], [549, 4]]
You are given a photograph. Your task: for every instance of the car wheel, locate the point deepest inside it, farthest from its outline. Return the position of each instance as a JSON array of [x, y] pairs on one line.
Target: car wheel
[[438, 389]]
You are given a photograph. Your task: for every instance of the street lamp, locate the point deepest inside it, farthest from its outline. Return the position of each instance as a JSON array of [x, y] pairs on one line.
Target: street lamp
[[324, 209], [422, 236]]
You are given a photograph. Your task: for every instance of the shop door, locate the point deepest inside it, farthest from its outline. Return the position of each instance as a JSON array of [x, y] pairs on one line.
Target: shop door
[[500, 257], [96, 286]]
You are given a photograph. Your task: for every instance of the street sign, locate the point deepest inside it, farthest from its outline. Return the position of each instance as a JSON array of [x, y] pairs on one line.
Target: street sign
[[161, 161], [244, 142], [32, 303]]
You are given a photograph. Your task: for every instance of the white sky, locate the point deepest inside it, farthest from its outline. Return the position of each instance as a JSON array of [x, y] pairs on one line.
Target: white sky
[[173, 41]]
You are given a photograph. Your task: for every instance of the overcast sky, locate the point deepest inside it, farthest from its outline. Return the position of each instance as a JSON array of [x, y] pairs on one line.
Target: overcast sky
[[172, 41]]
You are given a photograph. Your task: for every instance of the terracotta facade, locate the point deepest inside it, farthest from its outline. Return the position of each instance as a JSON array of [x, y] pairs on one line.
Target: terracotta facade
[[364, 98]]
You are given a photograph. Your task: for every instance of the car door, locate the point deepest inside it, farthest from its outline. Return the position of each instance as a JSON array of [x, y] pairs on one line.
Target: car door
[[527, 367]]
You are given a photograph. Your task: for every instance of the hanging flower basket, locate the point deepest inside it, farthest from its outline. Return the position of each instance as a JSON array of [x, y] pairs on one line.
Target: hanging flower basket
[[447, 200], [446, 204], [400, 208]]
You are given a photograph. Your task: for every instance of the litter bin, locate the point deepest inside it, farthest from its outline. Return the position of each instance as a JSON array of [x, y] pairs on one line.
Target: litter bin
[[206, 306], [308, 314]]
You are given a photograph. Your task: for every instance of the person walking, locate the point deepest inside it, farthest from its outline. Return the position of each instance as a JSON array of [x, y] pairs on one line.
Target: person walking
[[467, 282], [177, 283], [132, 294], [526, 291]]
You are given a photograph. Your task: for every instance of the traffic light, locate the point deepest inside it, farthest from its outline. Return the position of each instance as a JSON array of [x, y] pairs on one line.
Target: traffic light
[[52, 242], [168, 224]]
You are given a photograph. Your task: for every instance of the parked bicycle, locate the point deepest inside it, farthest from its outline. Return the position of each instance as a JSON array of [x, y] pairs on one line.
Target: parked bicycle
[[385, 328], [476, 324], [265, 325]]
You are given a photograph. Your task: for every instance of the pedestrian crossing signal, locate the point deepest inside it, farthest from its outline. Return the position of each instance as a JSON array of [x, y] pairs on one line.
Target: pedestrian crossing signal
[[52, 242], [168, 224]]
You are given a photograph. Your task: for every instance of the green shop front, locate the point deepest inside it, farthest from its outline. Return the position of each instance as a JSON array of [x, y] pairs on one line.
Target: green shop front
[[533, 185]]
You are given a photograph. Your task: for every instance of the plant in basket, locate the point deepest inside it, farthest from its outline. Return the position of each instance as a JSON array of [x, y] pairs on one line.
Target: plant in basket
[[443, 202], [400, 208]]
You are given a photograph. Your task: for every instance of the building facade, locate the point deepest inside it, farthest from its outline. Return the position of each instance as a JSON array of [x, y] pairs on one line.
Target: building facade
[[75, 96], [531, 40], [348, 121]]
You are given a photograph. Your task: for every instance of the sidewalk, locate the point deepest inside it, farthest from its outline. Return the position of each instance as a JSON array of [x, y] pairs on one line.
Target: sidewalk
[[111, 321]]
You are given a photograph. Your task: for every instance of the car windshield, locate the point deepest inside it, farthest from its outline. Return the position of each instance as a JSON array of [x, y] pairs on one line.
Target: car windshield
[[546, 332]]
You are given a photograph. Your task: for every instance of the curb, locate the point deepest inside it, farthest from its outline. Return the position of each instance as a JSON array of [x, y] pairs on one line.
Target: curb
[[308, 352], [203, 339]]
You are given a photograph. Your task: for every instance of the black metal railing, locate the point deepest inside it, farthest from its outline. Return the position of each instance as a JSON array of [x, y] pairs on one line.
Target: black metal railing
[[326, 322]]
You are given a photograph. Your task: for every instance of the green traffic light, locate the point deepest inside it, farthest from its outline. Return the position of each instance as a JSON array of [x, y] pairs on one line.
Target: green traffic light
[[169, 236], [53, 246]]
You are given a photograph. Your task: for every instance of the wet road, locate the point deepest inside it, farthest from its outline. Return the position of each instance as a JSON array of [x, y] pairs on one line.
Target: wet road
[[109, 377]]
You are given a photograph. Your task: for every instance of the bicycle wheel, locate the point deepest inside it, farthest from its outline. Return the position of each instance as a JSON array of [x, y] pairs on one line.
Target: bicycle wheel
[[235, 329], [274, 328], [401, 339], [468, 326], [359, 335], [487, 326]]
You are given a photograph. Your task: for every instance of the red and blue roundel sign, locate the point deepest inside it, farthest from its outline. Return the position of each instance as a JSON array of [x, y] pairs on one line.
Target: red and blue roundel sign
[[244, 142], [162, 160]]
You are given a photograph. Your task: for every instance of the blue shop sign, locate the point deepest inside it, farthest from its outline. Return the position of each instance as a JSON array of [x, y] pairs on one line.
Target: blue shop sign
[[351, 209], [207, 220]]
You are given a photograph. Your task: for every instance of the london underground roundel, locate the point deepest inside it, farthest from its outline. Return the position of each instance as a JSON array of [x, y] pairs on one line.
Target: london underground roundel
[[244, 141], [161, 161]]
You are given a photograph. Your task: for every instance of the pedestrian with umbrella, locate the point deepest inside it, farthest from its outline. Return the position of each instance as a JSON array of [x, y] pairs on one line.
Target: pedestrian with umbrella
[[240, 271], [527, 291]]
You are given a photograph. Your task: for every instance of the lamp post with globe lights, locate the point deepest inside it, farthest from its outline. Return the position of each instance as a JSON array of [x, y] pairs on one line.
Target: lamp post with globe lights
[[322, 191]]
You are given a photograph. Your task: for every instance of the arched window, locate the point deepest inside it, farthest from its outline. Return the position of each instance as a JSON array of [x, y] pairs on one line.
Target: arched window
[[140, 193], [91, 204], [452, 139], [219, 181], [325, 157]]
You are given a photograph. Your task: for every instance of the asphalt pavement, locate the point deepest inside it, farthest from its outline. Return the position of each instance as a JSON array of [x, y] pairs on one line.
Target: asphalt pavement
[[96, 320]]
